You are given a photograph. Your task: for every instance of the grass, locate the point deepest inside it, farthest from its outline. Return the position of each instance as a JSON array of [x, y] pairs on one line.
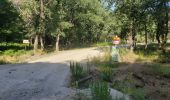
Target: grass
[[100, 91], [12, 56], [136, 93], [152, 53], [13, 52], [160, 69], [77, 70], [158, 63], [104, 60]]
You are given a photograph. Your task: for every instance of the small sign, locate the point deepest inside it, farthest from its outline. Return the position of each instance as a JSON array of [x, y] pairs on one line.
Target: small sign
[[26, 41], [116, 40]]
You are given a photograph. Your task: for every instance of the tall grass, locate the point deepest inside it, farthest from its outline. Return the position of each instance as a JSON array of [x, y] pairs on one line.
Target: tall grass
[[77, 70], [14, 56], [136, 93], [14, 52], [100, 91]]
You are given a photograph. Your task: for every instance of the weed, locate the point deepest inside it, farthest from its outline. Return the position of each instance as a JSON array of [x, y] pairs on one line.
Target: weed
[[100, 91]]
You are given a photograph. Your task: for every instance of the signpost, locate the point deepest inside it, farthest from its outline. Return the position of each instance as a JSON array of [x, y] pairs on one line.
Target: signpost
[[115, 50], [26, 42]]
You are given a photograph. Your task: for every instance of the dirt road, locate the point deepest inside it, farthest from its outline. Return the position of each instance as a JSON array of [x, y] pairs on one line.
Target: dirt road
[[42, 79]]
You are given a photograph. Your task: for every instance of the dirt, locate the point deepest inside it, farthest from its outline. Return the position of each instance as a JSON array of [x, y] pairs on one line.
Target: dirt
[[45, 78], [156, 87]]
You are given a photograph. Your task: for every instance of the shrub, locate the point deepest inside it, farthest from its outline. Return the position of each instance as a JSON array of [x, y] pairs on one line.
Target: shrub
[[100, 91]]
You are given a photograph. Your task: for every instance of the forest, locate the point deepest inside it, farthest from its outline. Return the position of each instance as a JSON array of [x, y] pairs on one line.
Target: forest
[[48, 29], [66, 23]]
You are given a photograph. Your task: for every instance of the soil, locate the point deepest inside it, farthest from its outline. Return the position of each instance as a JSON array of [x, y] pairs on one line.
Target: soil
[[156, 87]]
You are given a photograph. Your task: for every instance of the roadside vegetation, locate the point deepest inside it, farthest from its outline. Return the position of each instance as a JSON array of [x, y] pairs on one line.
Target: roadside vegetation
[[14, 52], [140, 75]]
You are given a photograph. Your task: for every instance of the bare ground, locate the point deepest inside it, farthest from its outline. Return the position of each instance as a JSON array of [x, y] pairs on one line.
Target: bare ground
[[156, 87], [43, 79]]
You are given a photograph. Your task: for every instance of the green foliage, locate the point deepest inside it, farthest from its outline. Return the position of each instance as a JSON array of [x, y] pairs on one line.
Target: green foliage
[[100, 91], [104, 60], [9, 52], [10, 23], [12, 52], [76, 70], [83, 21], [101, 44], [13, 46]]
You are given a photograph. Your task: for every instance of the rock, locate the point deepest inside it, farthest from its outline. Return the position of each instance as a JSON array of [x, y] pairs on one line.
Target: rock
[[116, 95]]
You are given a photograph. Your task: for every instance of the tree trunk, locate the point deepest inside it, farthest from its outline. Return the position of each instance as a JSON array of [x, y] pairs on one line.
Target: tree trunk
[[35, 44], [41, 23], [164, 37], [31, 39], [42, 10], [42, 43], [57, 42], [131, 38], [158, 35], [146, 37]]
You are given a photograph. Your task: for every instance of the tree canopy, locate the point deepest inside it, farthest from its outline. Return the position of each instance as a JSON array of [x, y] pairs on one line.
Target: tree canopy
[[68, 22]]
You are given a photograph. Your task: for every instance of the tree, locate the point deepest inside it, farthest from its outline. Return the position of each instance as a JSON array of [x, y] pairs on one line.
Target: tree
[[34, 14], [130, 12], [159, 10], [10, 23]]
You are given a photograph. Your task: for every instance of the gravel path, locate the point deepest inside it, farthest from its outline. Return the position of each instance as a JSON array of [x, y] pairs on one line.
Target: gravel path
[[42, 79]]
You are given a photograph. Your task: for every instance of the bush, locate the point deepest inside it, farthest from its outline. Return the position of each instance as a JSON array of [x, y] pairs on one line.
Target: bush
[[12, 46], [100, 91]]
